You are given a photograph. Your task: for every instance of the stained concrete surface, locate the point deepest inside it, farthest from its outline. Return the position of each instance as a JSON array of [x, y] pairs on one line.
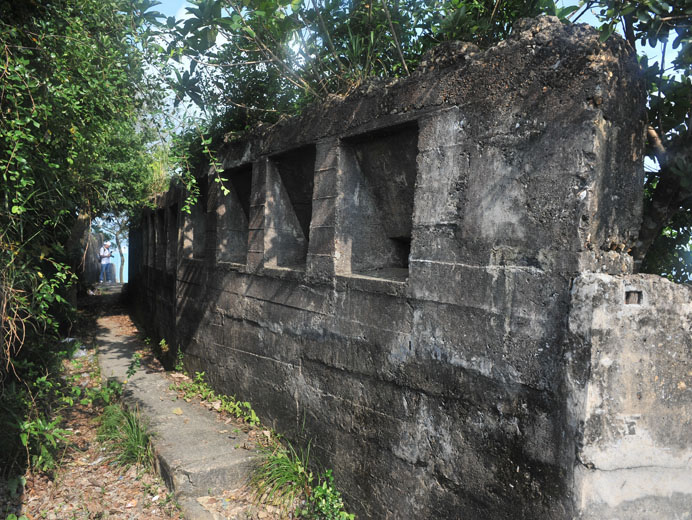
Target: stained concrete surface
[[197, 454], [422, 331], [414, 330]]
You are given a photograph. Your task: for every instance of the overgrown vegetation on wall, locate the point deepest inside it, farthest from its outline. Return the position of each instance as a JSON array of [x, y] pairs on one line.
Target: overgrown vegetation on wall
[[257, 61]]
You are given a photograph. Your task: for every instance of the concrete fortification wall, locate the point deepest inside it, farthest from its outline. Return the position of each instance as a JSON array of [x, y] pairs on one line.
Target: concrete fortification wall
[[429, 280]]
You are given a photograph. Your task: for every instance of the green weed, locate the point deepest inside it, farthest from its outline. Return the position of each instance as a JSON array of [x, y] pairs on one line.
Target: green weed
[[325, 502], [282, 477], [198, 387], [179, 361], [31, 407], [135, 364], [42, 439], [127, 436]]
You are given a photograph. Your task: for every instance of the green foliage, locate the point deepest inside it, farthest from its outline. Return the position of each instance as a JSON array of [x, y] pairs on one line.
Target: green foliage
[[179, 361], [31, 411], [126, 435], [282, 477], [42, 439], [253, 62], [485, 22], [15, 486], [30, 431], [72, 139], [134, 365], [325, 502], [198, 387], [665, 235], [671, 253]]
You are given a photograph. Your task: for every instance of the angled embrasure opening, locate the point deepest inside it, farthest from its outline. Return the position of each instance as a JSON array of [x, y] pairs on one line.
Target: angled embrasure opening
[[199, 230], [290, 206], [232, 216], [381, 173]]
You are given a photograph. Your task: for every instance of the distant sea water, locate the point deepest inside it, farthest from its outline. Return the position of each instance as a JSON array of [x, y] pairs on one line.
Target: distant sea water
[[115, 259]]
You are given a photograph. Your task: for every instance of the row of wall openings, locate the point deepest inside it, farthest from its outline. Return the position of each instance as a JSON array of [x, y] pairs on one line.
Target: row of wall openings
[[380, 177], [378, 181]]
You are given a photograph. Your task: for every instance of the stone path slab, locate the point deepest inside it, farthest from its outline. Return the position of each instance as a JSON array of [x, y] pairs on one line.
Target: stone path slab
[[197, 454]]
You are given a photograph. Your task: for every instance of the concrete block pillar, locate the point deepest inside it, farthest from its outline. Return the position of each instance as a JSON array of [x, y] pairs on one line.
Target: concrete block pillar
[[630, 398], [321, 250], [258, 197], [172, 231]]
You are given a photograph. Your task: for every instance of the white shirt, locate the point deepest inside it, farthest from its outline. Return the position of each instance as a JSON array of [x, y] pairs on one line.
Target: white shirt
[[105, 254]]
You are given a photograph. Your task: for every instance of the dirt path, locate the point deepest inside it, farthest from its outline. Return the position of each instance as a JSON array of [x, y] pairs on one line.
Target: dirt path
[[88, 485]]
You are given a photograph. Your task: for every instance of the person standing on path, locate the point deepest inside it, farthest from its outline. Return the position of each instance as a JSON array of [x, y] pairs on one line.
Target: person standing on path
[[105, 256]]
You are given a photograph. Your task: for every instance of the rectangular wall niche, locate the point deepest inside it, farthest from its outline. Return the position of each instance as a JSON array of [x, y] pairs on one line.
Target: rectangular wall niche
[[380, 176], [291, 179], [232, 216]]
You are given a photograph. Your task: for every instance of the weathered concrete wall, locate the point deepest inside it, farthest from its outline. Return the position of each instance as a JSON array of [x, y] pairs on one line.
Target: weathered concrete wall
[[635, 455], [391, 275]]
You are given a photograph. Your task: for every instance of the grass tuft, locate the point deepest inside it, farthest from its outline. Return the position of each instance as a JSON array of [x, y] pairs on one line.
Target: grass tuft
[[281, 477], [127, 436]]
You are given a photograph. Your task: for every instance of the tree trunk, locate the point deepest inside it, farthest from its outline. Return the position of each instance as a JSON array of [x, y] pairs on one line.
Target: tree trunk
[[668, 197], [77, 248]]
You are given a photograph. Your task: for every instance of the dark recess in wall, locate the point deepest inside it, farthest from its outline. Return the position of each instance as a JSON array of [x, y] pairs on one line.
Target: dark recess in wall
[[296, 169], [386, 160]]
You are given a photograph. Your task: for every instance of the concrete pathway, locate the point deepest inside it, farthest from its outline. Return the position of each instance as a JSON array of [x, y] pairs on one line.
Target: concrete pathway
[[198, 455]]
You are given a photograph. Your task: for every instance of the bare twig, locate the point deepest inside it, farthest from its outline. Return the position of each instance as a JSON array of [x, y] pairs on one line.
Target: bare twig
[[394, 36], [497, 4], [288, 73], [587, 6], [660, 81], [330, 43]]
